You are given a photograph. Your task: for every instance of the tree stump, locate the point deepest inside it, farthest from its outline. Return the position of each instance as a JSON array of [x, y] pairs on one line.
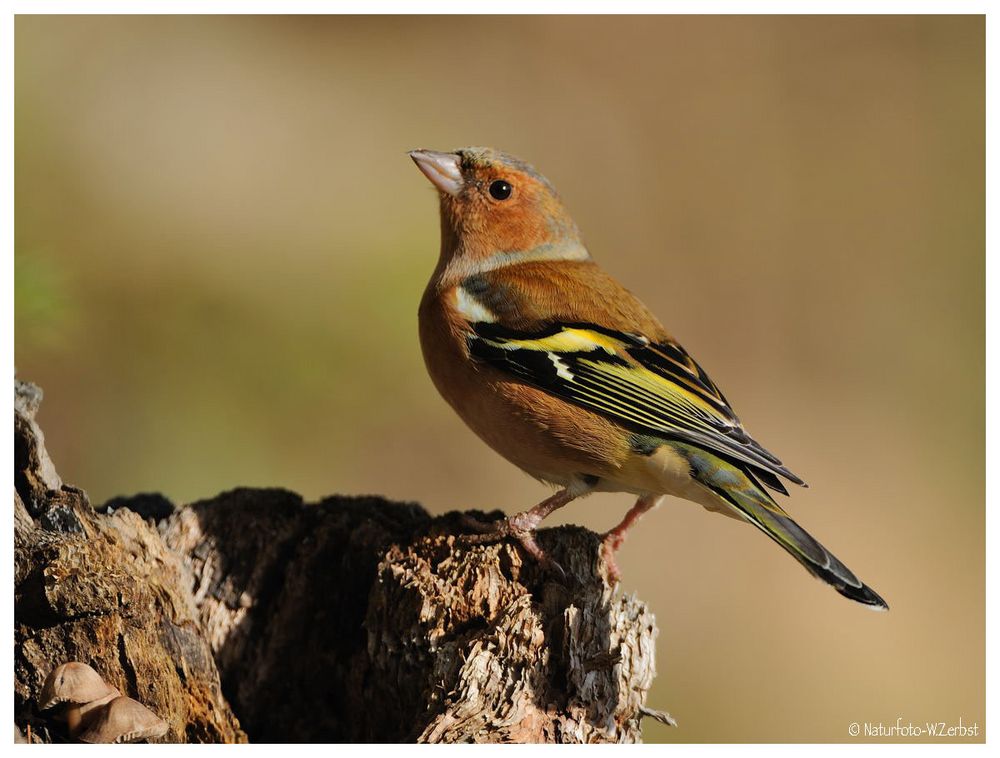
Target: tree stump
[[354, 619], [104, 590]]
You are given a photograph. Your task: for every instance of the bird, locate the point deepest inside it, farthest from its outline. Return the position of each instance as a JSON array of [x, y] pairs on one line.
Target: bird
[[565, 373]]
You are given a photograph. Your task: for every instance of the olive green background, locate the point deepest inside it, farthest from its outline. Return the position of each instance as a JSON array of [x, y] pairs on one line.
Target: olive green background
[[221, 244]]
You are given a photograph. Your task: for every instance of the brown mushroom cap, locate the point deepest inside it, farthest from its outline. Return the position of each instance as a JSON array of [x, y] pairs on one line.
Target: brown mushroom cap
[[124, 720], [74, 682]]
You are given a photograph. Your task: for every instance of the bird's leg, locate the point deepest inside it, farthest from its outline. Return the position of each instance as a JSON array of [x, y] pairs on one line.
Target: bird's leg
[[522, 526], [614, 538]]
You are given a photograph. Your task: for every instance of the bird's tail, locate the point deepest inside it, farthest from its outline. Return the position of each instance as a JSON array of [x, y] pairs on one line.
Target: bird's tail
[[740, 489]]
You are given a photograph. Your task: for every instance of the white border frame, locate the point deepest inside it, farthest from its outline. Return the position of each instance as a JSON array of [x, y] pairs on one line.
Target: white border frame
[[531, 7]]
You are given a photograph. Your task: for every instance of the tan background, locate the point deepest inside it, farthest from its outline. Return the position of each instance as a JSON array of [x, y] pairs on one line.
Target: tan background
[[221, 244]]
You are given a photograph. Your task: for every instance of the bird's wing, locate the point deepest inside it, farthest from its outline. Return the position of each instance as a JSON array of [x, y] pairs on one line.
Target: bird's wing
[[651, 387]]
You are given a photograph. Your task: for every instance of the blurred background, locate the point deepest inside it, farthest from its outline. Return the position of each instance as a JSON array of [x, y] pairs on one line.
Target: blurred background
[[221, 244]]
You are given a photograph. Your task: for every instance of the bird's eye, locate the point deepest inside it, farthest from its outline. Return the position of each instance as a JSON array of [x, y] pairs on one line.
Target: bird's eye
[[500, 190]]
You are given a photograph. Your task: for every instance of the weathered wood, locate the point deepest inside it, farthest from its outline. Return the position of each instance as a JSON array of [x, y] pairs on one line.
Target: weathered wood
[[351, 619], [106, 591]]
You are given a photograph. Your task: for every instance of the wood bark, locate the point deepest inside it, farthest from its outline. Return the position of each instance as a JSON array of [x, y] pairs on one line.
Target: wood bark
[[354, 619]]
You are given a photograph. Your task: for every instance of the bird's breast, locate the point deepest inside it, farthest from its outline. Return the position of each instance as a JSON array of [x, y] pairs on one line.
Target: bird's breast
[[543, 435]]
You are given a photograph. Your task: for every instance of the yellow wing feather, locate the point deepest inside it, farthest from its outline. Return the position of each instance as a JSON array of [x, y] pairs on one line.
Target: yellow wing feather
[[656, 389]]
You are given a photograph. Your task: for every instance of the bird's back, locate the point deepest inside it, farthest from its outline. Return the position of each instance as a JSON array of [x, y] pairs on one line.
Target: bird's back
[[529, 296]]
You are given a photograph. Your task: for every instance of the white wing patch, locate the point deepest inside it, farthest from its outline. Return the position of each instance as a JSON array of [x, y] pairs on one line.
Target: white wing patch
[[562, 369], [471, 309]]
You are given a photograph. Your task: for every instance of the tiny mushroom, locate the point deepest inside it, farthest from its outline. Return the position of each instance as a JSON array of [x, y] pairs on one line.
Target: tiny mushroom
[[81, 688], [96, 711], [124, 720]]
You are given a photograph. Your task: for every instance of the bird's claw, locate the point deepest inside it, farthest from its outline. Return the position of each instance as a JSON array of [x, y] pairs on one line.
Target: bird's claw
[[514, 527], [489, 531], [554, 567]]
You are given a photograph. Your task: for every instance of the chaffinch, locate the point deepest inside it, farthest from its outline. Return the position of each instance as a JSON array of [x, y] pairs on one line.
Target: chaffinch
[[561, 370]]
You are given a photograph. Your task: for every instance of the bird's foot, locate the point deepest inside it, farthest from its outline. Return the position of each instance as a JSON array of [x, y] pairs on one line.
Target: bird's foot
[[609, 546], [520, 526], [613, 539]]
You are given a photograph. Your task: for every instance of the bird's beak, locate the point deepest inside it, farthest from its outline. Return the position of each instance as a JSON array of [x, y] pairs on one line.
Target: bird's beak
[[442, 169]]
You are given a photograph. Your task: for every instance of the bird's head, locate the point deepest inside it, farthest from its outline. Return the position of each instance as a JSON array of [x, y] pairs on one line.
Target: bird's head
[[496, 207]]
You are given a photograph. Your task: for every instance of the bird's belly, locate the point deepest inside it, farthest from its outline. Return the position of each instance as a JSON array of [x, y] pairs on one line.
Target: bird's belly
[[544, 436], [514, 420], [666, 472]]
